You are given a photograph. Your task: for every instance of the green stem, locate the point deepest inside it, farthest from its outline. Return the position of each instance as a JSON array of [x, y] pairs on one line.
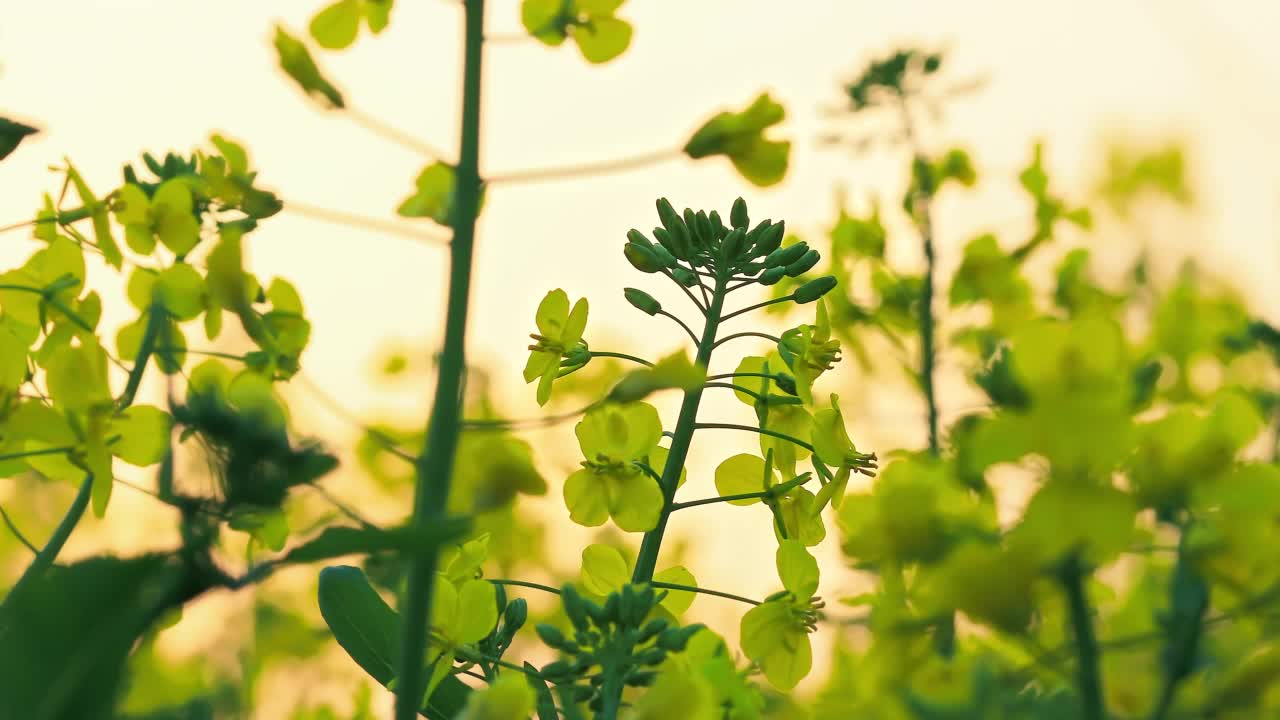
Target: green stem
[[703, 591], [692, 335], [686, 424], [738, 388], [8, 521], [766, 336], [33, 453], [525, 583], [721, 498], [44, 559], [622, 356], [1088, 674], [763, 431], [726, 376], [435, 465], [757, 306], [701, 308], [586, 170]]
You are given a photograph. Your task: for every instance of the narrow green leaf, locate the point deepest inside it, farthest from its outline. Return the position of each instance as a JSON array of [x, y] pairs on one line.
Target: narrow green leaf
[[12, 133]]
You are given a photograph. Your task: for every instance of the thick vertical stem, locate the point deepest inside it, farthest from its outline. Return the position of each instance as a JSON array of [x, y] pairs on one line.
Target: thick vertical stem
[[435, 465], [648, 557], [1088, 673]]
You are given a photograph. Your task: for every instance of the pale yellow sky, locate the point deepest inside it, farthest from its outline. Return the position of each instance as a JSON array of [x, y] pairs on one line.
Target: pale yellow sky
[[107, 80]]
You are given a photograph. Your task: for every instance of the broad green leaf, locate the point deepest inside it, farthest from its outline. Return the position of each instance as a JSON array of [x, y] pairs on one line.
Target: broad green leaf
[[797, 569], [604, 570], [338, 541], [740, 137], [143, 435], [507, 698], [296, 61], [66, 634], [336, 26], [180, 289], [12, 133], [477, 610], [677, 601], [77, 377]]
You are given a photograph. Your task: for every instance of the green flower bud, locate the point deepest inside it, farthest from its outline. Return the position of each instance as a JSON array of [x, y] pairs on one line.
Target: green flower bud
[[704, 232], [652, 628], [738, 215], [672, 245], [558, 669], [515, 615], [642, 258], [787, 255], [643, 678], [685, 276], [672, 222], [815, 289], [770, 238], [802, 266], [651, 656], [642, 301], [612, 610], [551, 635], [718, 230], [772, 276], [786, 383], [575, 607], [638, 238], [733, 242], [668, 260]]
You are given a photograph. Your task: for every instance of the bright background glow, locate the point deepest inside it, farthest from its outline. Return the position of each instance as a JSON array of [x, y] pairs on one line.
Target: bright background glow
[[107, 81]]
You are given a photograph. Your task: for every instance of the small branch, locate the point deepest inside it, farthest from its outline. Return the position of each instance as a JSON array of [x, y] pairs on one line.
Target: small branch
[[701, 308], [731, 386], [763, 431], [757, 306], [16, 532], [703, 591], [501, 425], [342, 507], [524, 583], [393, 134], [622, 356], [45, 557], [766, 336], [759, 494], [365, 222], [569, 172], [33, 453], [688, 330]]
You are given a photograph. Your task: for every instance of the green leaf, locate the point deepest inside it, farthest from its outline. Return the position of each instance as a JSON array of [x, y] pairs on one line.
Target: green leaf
[[77, 377], [677, 601], [797, 569], [740, 137], [296, 61], [377, 13], [180, 289], [338, 541], [12, 133], [604, 570], [67, 634], [336, 26], [602, 38], [433, 194], [368, 629], [143, 432]]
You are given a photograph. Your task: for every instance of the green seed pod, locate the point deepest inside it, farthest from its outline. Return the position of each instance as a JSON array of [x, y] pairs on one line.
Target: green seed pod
[[733, 242], [718, 230], [787, 255], [642, 301], [802, 266], [738, 214], [551, 635], [770, 239], [575, 607], [772, 276], [685, 277], [582, 693], [815, 289], [642, 258]]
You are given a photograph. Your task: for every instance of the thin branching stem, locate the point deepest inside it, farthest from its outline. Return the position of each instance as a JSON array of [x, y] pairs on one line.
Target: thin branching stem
[[386, 131], [692, 298], [759, 494], [703, 591], [8, 521], [688, 330], [570, 172], [757, 306], [766, 336], [364, 222], [622, 356], [736, 388]]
